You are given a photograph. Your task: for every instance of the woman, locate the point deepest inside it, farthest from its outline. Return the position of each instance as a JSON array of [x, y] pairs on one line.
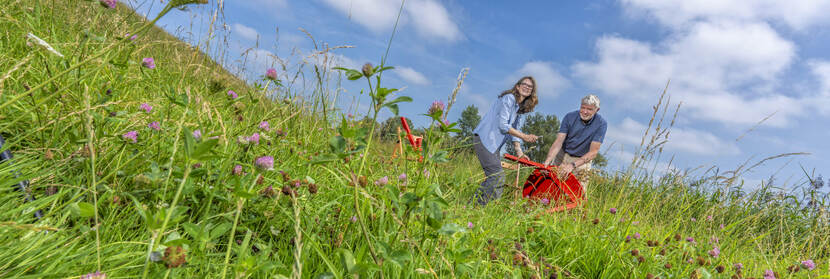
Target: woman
[[500, 125]]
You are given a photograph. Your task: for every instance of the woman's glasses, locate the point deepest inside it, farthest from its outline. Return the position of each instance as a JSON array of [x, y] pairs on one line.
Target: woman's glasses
[[526, 85]]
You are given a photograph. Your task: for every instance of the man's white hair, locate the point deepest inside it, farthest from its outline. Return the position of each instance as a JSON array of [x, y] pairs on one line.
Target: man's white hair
[[591, 99]]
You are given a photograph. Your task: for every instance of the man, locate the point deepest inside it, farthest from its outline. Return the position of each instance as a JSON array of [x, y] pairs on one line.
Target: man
[[579, 138]]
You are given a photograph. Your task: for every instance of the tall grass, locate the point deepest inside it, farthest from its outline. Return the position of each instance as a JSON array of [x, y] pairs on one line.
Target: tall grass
[[124, 208]]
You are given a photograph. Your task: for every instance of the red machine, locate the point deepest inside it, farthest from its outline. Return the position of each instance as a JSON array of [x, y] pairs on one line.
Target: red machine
[[544, 183]]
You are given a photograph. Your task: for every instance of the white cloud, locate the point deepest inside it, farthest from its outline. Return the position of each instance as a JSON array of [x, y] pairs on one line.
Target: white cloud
[[481, 102], [797, 14], [722, 71], [411, 76], [821, 70], [630, 133], [245, 32], [550, 82], [430, 18]]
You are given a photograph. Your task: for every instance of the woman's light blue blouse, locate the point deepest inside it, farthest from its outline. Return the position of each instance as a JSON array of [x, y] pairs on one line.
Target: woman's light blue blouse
[[492, 130]]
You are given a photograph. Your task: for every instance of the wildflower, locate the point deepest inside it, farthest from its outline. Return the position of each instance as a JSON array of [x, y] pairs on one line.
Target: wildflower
[[690, 239], [312, 188], [808, 264], [595, 221], [635, 252], [232, 94], [286, 190], [368, 70], [382, 181], [280, 132], [709, 218], [627, 238], [635, 222], [237, 170], [154, 125], [254, 138], [109, 4], [446, 122], [637, 235], [613, 210], [694, 219], [265, 162], [94, 275], [545, 201], [715, 252], [146, 107], [354, 219], [148, 63], [242, 140], [667, 266], [174, 256], [721, 226], [469, 225], [131, 136], [349, 115], [714, 240], [197, 134], [720, 269], [271, 74], [769, 274], [265, 126], [436, 107], [268, 192], [426, 173], [738, 266], [133, 37]]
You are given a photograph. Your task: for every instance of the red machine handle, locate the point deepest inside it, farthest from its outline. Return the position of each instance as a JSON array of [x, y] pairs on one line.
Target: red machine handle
[[525, 162]]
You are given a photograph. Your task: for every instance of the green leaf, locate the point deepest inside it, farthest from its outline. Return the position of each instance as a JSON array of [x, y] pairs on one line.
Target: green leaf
[[351, 74], [220, 230], [347, 260], [203, 150], [82, 209], [325, 158], [400, 99], [337, 144], [393, 108], [450, 229], [440, 157]]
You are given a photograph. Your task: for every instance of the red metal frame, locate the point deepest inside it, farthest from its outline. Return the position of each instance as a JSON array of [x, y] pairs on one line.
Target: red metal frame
[[543, 183]]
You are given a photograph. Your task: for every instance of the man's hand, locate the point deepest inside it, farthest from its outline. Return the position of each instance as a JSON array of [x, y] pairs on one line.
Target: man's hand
[[565, 168], [529, 138]]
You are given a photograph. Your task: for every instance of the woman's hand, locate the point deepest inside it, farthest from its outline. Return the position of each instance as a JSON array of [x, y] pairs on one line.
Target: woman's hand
[[529, 138]]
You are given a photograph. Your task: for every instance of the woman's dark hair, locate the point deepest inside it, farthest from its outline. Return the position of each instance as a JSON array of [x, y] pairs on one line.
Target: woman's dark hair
[[530, 101]]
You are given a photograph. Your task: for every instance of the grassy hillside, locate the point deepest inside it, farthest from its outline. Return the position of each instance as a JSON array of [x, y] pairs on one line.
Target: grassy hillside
[[161, 172]]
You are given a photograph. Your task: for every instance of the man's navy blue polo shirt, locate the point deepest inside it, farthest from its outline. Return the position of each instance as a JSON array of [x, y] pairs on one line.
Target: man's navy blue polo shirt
[[581, 134]]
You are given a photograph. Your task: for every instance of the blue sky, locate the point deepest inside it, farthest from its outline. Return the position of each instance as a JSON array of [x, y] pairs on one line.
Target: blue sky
[[731, 64]]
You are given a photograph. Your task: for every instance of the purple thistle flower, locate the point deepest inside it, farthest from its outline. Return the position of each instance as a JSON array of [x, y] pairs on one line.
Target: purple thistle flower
[[808, 264], [148, 63], [637, 235], [470, 225], [133, 37], [354, 219], [94, 275], [627, 238], [265, 162], [436, 106], [254, 138], [232, 94], [237, 170], [769, 274], [690, 239], [382, 181], [109, 4], [545, 201], [613, 210], [197, 134], [402, 177], [131, 136], [154, 125], [146, 107], [271, 74], [738, 266], [265, 126], [715, 252]]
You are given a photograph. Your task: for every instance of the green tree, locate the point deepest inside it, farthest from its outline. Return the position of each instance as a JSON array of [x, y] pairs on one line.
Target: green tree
[[468, 122], [545, 126]]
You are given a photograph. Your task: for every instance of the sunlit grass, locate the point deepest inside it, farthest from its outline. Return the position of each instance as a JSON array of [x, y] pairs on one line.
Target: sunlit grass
[[123, 207]]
